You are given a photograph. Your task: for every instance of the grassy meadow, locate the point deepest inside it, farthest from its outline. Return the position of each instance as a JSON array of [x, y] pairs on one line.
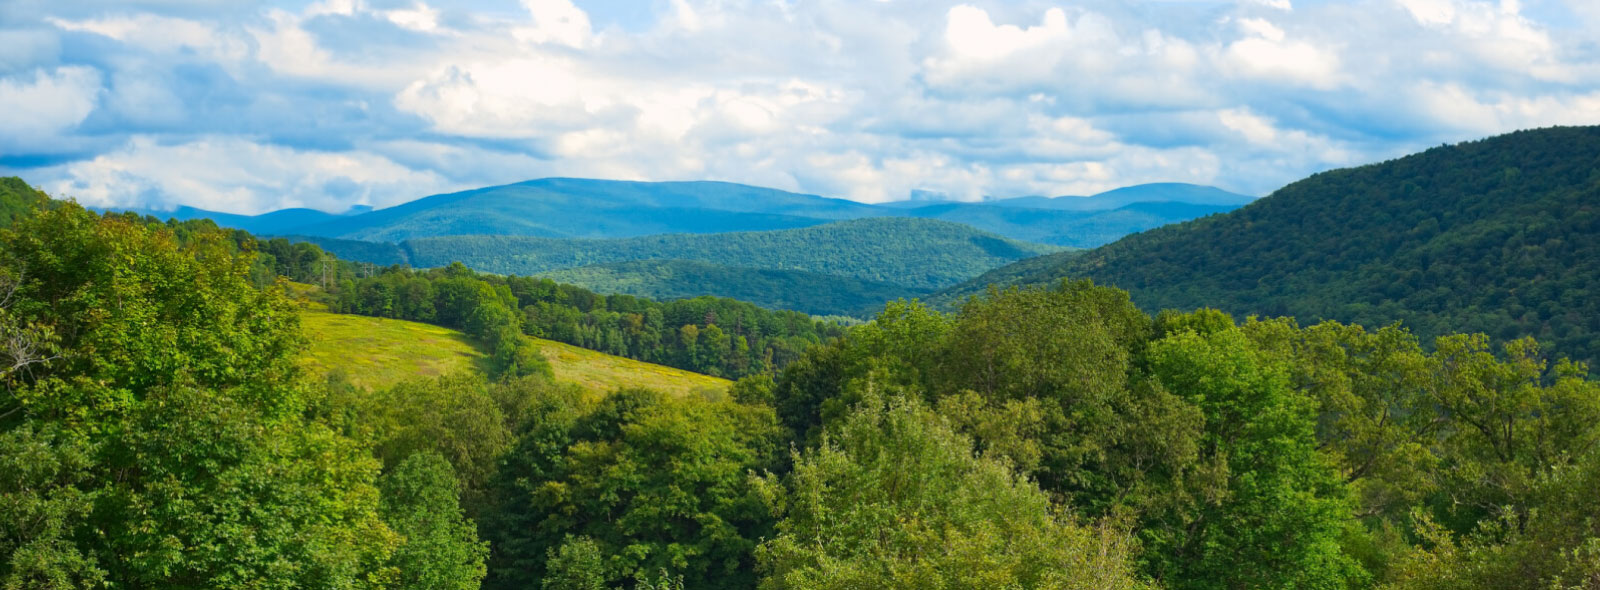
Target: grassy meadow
[[379, 352]]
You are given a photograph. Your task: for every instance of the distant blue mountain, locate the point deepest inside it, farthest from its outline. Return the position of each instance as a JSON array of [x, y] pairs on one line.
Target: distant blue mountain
[[1161, 192], [583, 208], [276, 222]]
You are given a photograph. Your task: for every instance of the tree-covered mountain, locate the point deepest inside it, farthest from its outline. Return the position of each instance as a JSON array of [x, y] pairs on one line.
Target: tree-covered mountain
[[586, 208], [271, 223], [1159, 192], [914, 253], [1064, 227], [379, 253], [808, 292], [583, 208], [1500, 236]]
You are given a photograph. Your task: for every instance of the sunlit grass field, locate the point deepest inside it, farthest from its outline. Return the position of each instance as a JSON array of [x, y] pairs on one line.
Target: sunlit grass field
[[378, 352], [598, 371]]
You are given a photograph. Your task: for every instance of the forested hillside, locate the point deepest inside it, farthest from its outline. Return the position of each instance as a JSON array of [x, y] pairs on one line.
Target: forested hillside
[[913, 253], [1066, 227], [1158, 192], [582, 208], [1500, 236], [807, 292]]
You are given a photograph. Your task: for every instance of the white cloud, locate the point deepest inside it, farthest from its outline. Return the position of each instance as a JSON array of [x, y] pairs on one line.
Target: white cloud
[[866, 100], [420, 17], [556, 21], [45, 103], [1267, 53], [238, 176], [1284, 5], [161, 34]]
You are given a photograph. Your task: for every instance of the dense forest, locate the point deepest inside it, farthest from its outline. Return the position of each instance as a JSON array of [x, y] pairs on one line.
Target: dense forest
[[1066, 227], [808, 292], [914, 253], [1494, 236]]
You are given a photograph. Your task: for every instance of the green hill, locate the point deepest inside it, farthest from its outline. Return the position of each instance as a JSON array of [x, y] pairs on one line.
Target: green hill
[[1500, 236], [809, 292], [583, 208], [379, 352], [1158, 192], [911, 253], [1067, 227], [17, 198]]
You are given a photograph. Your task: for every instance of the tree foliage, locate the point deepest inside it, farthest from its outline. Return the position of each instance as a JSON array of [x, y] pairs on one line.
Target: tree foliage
[[894, 498], [651, 482]]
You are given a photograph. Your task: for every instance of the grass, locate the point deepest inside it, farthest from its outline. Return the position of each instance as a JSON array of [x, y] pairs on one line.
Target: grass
[[378, 352], [598, 371]]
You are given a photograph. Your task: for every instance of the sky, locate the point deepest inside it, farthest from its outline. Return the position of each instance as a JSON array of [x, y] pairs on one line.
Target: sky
[[250, 106]]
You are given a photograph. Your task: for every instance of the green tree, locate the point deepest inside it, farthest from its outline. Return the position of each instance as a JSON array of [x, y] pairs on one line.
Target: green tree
[[576, 565], [894, 498], [456, 417], [654, 483], [1268, 510], [173, 447], [440, 548]]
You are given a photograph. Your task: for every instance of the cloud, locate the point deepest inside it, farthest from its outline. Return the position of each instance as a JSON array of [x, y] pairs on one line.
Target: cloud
[[252, 106], [232, 174], [43, 104], [1266, 53]]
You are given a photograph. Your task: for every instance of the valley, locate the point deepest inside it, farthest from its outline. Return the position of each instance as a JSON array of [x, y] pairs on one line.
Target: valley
[[1353, 382]]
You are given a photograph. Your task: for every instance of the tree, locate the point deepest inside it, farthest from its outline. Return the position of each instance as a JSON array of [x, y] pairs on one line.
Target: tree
[[1267, 510], [894, 498], [440, 550], [654, 483], [455, 417], [171, 442]]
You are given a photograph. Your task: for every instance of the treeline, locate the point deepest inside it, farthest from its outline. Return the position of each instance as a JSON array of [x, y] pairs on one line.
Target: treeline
[[714, 336]]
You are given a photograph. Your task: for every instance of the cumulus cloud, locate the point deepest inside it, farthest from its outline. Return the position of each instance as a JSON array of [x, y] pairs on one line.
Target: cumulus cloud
[[234, 174], [244, 108], [43, 104]]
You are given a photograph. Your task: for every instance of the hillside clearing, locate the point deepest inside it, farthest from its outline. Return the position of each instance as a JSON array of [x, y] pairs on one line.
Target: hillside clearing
[[379, 352]]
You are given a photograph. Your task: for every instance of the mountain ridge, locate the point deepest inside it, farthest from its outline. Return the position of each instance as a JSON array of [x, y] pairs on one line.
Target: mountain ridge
[[562, 207], [1499, 235]]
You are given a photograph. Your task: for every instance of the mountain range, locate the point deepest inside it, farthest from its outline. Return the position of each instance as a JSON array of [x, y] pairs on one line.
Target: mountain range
[[586, 208]]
